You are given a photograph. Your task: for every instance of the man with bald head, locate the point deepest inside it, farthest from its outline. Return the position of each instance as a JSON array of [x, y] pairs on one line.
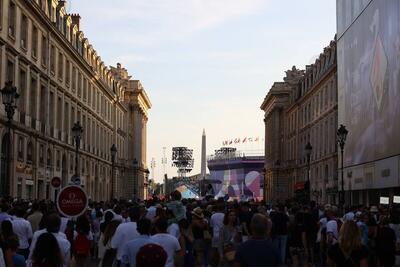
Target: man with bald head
[[258, 250]]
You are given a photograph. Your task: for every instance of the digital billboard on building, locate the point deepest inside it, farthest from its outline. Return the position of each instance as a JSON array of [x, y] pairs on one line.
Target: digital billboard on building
[[369, 78], [368, 53]]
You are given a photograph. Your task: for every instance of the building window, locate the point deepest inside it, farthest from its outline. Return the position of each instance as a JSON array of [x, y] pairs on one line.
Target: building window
[[22, 91], [24, 31], [60, 66], [29, 150], [53, 59], [49, 159], [73, 79], [10, 70], [79, 84], [84, 89], [11, 19], [71, 162], [34, 41], [67, 72], [58, 160], [21, 148], [33, 99], [44, 50], [41, 155]]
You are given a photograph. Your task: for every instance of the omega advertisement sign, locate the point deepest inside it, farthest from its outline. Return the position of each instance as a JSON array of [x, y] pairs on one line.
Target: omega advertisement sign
[[72, 201]]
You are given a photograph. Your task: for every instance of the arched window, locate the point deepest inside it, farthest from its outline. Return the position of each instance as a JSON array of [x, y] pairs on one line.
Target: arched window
[[29, 151]]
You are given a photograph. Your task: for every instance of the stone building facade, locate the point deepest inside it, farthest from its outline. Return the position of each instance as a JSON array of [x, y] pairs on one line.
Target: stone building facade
[[61, 79], [302, 109]]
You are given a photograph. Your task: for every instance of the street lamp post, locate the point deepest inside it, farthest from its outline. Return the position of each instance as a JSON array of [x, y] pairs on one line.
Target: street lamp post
[[135, 176], [113, 151], [308, 150], [342, 135], [10, 97], [77, 132]]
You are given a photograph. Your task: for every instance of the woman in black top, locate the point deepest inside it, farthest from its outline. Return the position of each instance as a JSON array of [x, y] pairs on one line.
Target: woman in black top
[[349, 252]]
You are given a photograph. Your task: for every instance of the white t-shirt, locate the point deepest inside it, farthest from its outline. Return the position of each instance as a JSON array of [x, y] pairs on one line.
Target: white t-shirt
[[170, 244], [23, 229], [63, 226], [216, 223], [173, 230], [151, 212], [332, 227], [125, 232]]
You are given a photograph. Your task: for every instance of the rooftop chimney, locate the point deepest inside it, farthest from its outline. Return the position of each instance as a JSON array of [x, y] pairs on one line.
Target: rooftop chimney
[[76, 19]]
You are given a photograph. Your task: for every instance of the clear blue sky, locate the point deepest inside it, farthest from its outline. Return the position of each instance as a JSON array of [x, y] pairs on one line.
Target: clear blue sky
[[206, 63]]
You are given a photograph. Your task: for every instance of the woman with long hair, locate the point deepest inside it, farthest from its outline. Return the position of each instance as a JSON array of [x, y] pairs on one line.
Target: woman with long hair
[[230, 238], [349, 251], [7, 234], [106, 252], [47, 252]]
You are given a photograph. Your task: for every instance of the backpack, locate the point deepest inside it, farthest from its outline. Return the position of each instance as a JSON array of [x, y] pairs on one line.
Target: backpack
[[82, 245]]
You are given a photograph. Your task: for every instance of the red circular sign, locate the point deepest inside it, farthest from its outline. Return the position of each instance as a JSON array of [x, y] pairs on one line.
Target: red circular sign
[[56, 182], [72, 201]]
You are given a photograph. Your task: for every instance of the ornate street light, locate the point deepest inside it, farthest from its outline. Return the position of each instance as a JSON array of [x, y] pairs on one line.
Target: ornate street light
[[341, 139], [77, 133], [308, 148], [113, 151], [10, 97]]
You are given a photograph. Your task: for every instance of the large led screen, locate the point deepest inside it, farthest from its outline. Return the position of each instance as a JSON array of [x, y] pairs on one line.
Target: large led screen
[[369, 82], [237, 183]]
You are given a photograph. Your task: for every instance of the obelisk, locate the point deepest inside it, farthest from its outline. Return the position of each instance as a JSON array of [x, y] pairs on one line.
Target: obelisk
[[203, 156]]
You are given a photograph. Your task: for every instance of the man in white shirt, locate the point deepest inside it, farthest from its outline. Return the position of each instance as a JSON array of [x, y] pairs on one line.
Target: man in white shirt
[[126, 232], [53, 223], [23, 229], [216, 224], [168, 242], [131, 248]]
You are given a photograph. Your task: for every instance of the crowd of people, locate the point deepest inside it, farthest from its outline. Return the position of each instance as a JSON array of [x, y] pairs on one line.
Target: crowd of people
[[177, 232]]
